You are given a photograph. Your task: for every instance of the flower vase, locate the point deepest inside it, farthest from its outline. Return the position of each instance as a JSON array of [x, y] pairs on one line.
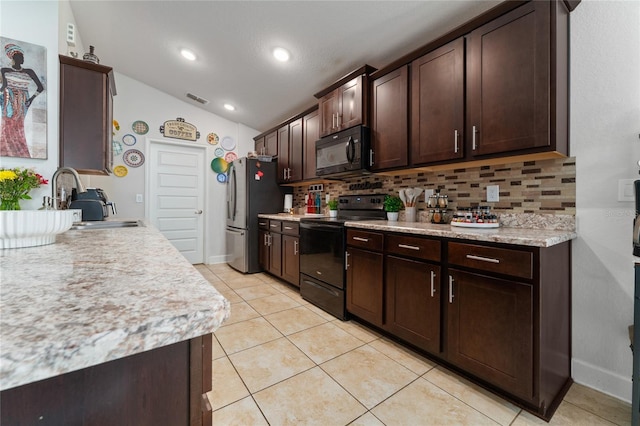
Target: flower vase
[[333, 213], [10, 204]]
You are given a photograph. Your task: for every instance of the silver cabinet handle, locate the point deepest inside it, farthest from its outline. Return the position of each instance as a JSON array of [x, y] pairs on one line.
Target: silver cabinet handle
[[450, 289], [408, 247], [371, 156], [346, 260], [473, 138], [483, 259], [269, 240], [198, 212], [338, 116], [364, 240], [284, 174], [273, 226], [262, 223], [433, 279], [288, 228], [333, 121], [265, 242], [455, 141], [295, 248]]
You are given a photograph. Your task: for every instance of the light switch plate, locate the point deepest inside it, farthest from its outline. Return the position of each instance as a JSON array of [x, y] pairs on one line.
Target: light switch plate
[[138, 198], [625, 190], [493, 193]]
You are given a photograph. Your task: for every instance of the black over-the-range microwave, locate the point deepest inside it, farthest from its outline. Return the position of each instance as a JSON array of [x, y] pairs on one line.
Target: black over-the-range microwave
[[343, 154]]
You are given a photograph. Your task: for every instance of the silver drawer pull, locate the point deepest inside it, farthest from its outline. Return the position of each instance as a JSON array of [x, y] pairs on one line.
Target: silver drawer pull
[[408, 247], [483, 259], [262, 223], [273, 226], [433, 278], [450, 289], [364, 240], [288, 227]]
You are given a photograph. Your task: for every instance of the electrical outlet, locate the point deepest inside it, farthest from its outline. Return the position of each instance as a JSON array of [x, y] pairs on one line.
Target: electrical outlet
[[625, 190], [138, 198], [71, 34], [327, 198], [493, 193]]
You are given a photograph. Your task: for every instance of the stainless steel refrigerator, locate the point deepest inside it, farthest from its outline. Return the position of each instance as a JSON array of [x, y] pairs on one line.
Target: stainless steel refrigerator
[[252, 188]]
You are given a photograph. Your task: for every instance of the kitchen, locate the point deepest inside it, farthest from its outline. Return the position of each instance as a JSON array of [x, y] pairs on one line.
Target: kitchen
[[602, 110]]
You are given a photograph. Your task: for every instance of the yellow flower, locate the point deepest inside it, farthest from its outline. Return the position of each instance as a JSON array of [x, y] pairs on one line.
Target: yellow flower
[[7, 175], [116, 124]]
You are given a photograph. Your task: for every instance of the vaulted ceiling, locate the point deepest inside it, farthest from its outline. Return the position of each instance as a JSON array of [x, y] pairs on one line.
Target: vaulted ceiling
[[233, 42]]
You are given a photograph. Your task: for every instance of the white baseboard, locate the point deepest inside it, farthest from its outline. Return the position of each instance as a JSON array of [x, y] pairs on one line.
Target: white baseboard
[[602, 380], [212, 260]]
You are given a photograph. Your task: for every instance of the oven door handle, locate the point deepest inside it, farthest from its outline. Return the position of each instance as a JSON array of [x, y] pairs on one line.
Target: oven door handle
[[319, 226]]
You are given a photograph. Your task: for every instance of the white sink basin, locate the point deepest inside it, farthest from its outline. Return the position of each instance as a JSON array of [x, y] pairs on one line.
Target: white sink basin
[[29, 228]]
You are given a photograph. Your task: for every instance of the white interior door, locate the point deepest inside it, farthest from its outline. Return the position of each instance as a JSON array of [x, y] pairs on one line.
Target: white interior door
[[176, 195]]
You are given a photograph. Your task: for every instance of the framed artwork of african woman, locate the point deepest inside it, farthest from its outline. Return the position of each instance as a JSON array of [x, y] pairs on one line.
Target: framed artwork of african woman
[[23, 99]]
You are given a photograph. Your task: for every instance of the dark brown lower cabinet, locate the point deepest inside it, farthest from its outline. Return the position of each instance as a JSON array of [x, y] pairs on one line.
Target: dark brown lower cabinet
[[412, 290], [164, 386], [291, 259], [490, 330], [365, 285]]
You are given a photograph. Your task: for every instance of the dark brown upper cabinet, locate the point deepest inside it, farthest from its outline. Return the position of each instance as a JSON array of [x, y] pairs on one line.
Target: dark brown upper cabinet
[[86, 116], [310, 134], [437, 105], [389, 120], [290, 152], [517, 82], [345, 103]]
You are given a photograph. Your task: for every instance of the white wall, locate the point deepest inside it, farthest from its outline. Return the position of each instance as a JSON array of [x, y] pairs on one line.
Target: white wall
[[605, 123], [36, 22], [138, 101]]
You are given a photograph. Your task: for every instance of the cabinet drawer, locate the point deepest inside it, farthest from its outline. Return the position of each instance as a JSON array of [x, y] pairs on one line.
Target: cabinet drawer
[[263, 223], [421, 248], [492, 259], [291, 228], [275, 225], [364, 239]]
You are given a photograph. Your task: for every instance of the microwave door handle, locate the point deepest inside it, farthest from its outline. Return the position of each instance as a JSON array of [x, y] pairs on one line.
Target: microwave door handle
[[351, 150]]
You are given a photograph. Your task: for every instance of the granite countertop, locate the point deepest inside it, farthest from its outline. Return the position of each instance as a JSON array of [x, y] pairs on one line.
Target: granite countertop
[[287, 216], [95, 296], [505, 235]]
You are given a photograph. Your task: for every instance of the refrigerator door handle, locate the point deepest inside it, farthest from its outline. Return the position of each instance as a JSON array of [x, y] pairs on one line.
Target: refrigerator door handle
[[235, 194]]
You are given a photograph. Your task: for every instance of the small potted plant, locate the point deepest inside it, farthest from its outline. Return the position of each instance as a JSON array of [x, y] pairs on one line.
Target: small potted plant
[[392, 206], [333, 208]]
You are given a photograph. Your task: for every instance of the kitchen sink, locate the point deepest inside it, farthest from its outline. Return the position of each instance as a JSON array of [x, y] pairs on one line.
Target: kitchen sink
[[107, 224]]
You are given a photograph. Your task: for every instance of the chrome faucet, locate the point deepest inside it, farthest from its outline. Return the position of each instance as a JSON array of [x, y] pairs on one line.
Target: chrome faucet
[[54, 185]]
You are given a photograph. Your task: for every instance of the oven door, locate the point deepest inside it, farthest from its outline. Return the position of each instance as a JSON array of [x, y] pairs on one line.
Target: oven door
[[322, 252]]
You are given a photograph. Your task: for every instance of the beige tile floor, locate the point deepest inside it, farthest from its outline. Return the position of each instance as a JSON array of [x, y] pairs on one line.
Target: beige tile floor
[[279, 360]]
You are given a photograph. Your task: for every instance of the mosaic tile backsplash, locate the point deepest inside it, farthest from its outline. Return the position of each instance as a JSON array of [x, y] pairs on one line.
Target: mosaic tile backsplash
[[540, 187]]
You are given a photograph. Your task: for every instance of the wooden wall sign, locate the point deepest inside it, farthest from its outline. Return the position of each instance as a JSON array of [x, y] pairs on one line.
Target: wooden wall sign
[[179, 129]]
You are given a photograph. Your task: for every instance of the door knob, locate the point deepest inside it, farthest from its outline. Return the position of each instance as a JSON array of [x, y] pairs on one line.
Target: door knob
[[198, 211]]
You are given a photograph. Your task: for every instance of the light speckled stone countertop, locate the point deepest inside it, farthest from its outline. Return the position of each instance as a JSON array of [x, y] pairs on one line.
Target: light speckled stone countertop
[[95, 296], [287, 216], [518, 236], [536, 237]]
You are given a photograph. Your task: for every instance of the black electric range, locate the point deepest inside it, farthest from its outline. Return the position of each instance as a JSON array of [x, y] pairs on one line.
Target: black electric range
[[322, 251]]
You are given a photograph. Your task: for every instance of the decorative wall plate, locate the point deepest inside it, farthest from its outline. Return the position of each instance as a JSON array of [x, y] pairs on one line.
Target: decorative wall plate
[[222, 177], [230, 157], [219, 152], [120, 171], [116, 147], [140, 127], [133, 158], [218, 165], [228, 143], [129, 139], [213, 139]]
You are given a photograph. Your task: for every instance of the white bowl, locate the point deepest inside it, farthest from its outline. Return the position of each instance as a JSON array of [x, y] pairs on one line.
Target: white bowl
[[29, 228]]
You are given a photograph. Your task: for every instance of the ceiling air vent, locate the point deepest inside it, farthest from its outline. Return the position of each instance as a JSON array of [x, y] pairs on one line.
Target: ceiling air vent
[[197, 98]]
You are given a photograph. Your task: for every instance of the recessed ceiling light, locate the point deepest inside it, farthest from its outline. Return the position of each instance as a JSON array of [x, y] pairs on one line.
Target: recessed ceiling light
[[229, 107], [281, 54], [186, 53]]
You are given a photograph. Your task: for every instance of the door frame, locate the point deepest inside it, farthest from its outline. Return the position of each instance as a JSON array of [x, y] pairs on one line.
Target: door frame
[[203, 194]]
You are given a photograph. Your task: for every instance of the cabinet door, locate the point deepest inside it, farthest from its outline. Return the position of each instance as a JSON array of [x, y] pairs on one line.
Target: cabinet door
[[389, 140], [364, 285], [283, 153], [350, 104], [275, 254], [263, 249], [412, 294], [490, 330], [295, 151], [310, 134], [508, 82], [86, 115], [291, 259], [271, 143], [328, 107], [437, 104], [260, 146]]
